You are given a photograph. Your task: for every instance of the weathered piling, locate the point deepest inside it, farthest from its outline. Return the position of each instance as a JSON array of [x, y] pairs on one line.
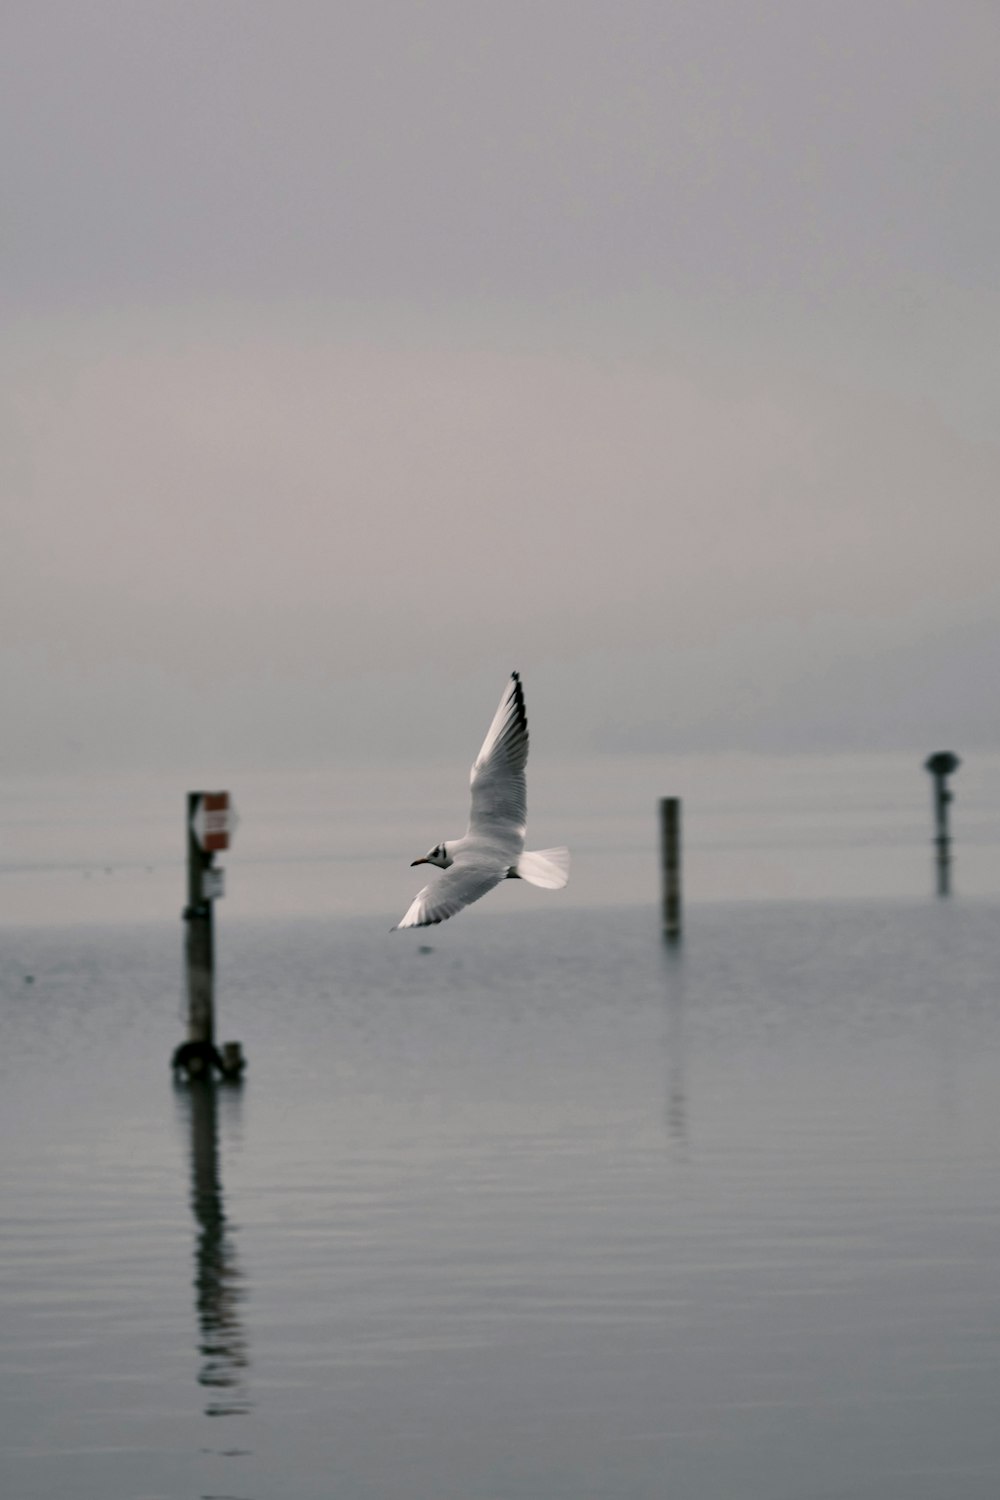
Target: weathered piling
[[941, 765], [208, 824], [670, 859], [199, 943]]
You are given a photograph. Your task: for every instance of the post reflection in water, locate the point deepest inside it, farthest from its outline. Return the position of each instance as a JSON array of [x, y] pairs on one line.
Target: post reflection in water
[[219, 1290], [675, 1109]]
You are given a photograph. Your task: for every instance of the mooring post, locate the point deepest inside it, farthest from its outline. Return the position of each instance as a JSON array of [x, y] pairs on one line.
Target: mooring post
[[670, 856], [199, 942], [209, 823], [941, 765]]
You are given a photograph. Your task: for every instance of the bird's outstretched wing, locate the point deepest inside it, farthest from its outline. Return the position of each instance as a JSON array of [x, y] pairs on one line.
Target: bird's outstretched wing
[[457, 887], [499, 798]]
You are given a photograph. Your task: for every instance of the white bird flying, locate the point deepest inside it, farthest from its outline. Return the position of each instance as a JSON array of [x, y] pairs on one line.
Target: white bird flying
[[492, 848]]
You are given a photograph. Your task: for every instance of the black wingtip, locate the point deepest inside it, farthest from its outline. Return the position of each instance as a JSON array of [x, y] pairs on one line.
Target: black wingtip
[[522, 712]]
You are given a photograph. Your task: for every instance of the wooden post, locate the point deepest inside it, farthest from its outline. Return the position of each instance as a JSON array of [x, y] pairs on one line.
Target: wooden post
[[941, 765], [208, 827], [199, 942], [670, 855]]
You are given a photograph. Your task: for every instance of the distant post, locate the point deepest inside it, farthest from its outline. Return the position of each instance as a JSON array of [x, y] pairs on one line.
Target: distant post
[[200, 938], [670, 858], [208, 825], [941, 765]]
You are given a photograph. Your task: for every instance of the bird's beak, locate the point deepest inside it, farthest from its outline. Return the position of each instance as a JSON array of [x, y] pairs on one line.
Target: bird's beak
[[420, 861]]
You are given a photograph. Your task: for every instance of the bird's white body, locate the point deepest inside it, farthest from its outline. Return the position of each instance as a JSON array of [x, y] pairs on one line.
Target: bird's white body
[[492, 848]]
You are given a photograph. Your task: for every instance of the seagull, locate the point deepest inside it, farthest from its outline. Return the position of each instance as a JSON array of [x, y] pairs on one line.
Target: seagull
[[492, 848]]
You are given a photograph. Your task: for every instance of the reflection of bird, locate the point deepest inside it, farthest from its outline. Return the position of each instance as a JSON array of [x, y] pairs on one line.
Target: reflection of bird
[[492, 848]]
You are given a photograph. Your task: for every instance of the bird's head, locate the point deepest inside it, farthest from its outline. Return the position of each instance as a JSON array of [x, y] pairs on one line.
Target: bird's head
[[438, 856]]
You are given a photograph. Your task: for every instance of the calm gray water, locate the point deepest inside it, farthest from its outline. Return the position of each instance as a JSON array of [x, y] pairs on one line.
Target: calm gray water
[[547, 1212]]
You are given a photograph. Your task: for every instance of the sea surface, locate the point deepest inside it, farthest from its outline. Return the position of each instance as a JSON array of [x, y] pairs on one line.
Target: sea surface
[[528, 1206]]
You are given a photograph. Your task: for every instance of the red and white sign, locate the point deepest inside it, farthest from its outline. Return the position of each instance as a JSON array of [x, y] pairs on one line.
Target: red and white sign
[[214, 821]]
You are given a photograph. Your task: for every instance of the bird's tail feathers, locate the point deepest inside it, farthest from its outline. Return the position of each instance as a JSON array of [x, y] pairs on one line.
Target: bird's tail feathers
[[548, 868]]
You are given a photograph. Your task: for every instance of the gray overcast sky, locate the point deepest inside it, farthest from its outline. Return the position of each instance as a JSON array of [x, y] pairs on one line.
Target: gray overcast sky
[[357, 353]]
